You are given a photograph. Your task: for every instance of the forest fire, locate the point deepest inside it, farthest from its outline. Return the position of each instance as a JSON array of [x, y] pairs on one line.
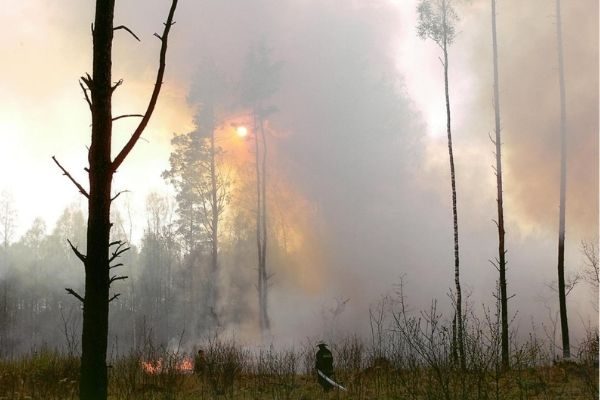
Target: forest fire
[[183, 365]]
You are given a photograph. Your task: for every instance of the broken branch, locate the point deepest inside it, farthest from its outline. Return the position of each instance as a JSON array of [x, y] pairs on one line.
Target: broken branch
[[116, 85], [128, 30], [77, 252], [87, 98], [74, 293], [81, 189], [114, 297]]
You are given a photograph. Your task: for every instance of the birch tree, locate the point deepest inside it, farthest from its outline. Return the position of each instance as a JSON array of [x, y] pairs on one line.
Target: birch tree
[[437, 19]]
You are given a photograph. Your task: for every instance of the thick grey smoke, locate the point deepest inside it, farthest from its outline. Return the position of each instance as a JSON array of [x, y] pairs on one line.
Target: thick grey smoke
[[530, 106], [351, 141]]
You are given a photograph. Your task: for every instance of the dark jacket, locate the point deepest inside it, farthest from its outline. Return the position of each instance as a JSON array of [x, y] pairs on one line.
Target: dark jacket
[[324, 363]]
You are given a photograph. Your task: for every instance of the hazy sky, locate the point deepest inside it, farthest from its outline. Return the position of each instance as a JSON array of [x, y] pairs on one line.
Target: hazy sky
[[359, 135]]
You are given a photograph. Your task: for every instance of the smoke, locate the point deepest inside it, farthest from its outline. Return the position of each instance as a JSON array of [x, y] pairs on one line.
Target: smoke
[[351, 140], [529, 101], [358, 161]]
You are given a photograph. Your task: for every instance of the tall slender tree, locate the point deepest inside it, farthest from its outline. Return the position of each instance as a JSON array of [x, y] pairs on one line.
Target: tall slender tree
[[501, 260], [437, 19], [8, 216], [98, 90], [202, 196], [259, 81], [210, 90], [562, 298]]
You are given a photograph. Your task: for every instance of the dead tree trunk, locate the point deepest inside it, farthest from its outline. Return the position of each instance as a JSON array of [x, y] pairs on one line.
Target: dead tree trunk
[[263, 266], [261, 224], [94, 381], [564, 324], [501, 261], [214, 226]]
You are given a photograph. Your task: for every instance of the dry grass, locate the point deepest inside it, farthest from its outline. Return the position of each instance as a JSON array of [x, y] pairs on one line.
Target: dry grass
[[235, 373]]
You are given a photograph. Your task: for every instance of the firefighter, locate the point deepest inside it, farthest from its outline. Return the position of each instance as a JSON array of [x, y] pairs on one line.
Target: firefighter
[[200, 363], [324, 364]]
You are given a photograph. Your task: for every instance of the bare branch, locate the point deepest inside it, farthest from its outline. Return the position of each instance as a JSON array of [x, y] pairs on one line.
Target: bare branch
[[87, 79], [128, 30], [79, 255], [114, 243], [87, 98], [116, 278], [154, 97], [114, 297], [116, 85], [118, 194], [118, 251], [81, 189], [495, 264], [128, 116], [116, 266], [74, 293]]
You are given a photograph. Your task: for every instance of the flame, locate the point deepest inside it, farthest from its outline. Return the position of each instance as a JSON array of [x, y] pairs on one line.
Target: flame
[[184, 365], [152, 367]]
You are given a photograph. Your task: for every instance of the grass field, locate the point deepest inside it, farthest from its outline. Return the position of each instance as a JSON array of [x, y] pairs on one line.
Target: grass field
[[232, 372]]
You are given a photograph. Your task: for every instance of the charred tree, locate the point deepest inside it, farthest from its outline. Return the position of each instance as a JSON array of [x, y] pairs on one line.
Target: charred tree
[[97, 263], [562, 298], [436, 22], [501, 260]]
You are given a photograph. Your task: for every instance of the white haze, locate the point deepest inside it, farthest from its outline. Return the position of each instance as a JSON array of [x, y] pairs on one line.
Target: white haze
[[359, 138]]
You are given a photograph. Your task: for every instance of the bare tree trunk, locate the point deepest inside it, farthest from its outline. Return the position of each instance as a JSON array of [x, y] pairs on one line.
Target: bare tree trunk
[[261, 223], [564, 324], [259, 230], [501, 249], [214, 228], [459, 316], [94, 380], [265, 278]]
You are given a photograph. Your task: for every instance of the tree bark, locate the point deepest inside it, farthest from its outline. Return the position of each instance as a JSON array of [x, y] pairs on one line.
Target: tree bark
[[94, 380], [265, 278], [459, 316], [564, 324], [214, 227], [501, 233]]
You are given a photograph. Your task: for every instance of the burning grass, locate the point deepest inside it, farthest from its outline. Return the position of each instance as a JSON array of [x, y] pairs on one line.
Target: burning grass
[[232, 372]]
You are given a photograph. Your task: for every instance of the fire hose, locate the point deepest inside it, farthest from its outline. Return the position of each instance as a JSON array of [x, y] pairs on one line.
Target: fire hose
[[331, 381]]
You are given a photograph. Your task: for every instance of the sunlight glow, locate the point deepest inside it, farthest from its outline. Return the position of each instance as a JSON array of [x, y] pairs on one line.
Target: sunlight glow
[[241, 131]]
